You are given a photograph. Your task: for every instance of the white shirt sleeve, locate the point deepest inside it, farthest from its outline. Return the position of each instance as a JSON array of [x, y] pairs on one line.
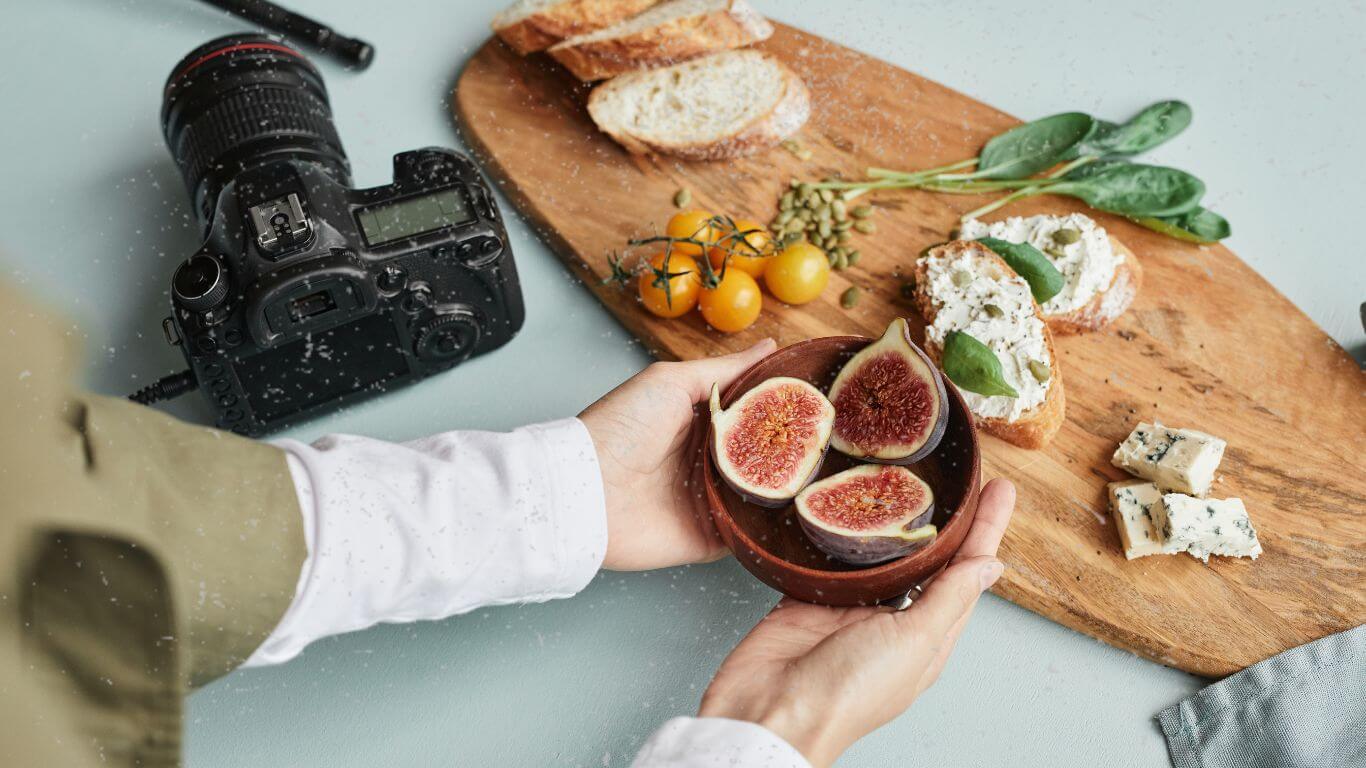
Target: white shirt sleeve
[[439, 526], [714, 742], [444, 525]]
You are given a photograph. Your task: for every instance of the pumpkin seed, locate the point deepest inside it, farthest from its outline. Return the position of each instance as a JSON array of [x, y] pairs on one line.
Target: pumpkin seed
[[850, 297], [865, 226], [787, 200], [854, 256], [1066, 236], [993, 310], [1055, 252], [840, 210], [1040, 370], [833, 257], [682, 197], [841, 261], [824, 228], [790, 238], [962, 279], [786, 216], [862, 211], [804, 188], [844, 226], [843, 237], [827, 195]]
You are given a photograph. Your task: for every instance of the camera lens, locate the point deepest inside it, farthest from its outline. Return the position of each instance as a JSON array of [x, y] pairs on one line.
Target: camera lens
[[240, 101]]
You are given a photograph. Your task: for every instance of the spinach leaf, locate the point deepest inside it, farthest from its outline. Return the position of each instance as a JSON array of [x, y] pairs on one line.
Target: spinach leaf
[[1198, 225], [1027, 149], [1044, 279], [1155, 125], [973, 366], [1132, 190]]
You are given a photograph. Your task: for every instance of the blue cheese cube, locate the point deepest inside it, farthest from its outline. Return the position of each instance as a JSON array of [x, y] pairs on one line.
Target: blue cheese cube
[[1181, 460], [1131, 503], [1205, 527]]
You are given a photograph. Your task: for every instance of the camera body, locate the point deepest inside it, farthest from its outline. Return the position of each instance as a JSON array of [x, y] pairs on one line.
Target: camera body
[[308, 294]]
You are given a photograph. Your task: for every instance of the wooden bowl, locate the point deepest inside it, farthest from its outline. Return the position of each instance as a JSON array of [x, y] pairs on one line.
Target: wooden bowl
[[770, 544]]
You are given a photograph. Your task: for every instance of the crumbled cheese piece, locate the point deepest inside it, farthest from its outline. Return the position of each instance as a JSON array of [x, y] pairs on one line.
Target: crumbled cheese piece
[[1131, 502], [1015, 333], [1176, 459], [1205, 527], [1087, 265]]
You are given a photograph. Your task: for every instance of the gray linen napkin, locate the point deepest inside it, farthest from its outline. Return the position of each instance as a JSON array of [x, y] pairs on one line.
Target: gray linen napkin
[[1305, 708]]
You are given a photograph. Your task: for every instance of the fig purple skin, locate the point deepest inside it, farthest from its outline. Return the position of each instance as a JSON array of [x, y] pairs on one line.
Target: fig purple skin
[[869, 514], [890, 402], [771, 442]]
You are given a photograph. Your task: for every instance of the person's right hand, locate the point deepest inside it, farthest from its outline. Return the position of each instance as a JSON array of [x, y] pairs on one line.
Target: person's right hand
[[822, 678]]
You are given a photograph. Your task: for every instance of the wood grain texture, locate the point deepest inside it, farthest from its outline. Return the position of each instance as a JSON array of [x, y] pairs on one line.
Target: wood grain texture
[[1208, 344]]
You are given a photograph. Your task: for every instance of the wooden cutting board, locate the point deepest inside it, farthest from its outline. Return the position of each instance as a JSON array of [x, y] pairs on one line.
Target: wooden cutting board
[[1208, 344]]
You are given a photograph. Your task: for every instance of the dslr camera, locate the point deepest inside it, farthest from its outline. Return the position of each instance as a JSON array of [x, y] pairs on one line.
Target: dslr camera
[[308, 294]]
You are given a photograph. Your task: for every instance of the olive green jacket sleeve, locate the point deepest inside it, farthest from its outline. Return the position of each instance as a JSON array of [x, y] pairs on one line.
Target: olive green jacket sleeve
[[142, 557]]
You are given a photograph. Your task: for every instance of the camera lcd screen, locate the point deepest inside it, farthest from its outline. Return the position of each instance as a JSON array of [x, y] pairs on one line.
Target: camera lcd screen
[[322, 366], [414, 216]]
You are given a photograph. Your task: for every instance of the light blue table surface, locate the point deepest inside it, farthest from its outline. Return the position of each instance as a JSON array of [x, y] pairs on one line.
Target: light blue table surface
[[94, 219]]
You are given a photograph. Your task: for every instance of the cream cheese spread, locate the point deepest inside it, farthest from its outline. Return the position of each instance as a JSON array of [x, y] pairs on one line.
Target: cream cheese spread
[[1087, 265], [961, 286]]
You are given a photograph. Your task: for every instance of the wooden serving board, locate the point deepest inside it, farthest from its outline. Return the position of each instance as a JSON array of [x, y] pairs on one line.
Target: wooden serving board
[[1208, 344]]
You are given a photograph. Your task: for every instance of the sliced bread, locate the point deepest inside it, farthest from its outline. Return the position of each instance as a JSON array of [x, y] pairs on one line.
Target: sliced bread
[[534, 25], [727, 104], [667, 33], [954, 285], [1101, 275]]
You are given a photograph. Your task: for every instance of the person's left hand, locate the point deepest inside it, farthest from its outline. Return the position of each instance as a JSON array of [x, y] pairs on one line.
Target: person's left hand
[[648, 437]]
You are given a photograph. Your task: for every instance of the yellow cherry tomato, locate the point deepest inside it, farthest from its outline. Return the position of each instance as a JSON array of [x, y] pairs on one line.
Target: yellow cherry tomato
[[734, 304], [683, 288], [798, 273], [748, 253], [694, 224]]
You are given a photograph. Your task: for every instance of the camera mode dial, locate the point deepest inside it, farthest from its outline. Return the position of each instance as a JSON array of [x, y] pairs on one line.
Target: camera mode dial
[[200, 283]]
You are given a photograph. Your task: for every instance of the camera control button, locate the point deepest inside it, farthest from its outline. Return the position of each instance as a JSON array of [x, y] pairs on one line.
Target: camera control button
[[418, 298], [227, 400], [213, 369], [448, 337], [392, 278], [220, 385]]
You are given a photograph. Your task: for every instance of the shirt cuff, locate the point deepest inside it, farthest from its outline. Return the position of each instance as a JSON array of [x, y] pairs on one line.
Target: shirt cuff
[[711, 742], [439, 526]]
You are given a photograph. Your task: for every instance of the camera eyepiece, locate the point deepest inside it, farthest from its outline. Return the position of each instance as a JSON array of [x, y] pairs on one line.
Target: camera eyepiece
[[242, 100]]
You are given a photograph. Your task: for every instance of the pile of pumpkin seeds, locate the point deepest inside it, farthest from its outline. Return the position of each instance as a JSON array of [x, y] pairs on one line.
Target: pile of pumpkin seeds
[[826, 218]]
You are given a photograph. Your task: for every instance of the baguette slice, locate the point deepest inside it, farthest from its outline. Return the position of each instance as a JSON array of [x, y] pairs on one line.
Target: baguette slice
[[668, 33], [528, 26], [727, 104], [1035, 427], [1108, 304]]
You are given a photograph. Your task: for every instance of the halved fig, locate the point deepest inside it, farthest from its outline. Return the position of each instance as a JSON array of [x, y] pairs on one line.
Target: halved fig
[[770, 443], [869, 514], [890, 405]]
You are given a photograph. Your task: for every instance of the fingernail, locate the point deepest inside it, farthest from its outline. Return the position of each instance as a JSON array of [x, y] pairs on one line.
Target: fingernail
[[991, 572], [764, 343]]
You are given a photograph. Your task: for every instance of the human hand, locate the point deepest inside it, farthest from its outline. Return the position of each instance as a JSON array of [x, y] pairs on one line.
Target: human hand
[[822, 678], [648, 439]]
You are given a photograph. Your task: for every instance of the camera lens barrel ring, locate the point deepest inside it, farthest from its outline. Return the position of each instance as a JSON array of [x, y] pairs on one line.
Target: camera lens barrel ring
[[242, 100]]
